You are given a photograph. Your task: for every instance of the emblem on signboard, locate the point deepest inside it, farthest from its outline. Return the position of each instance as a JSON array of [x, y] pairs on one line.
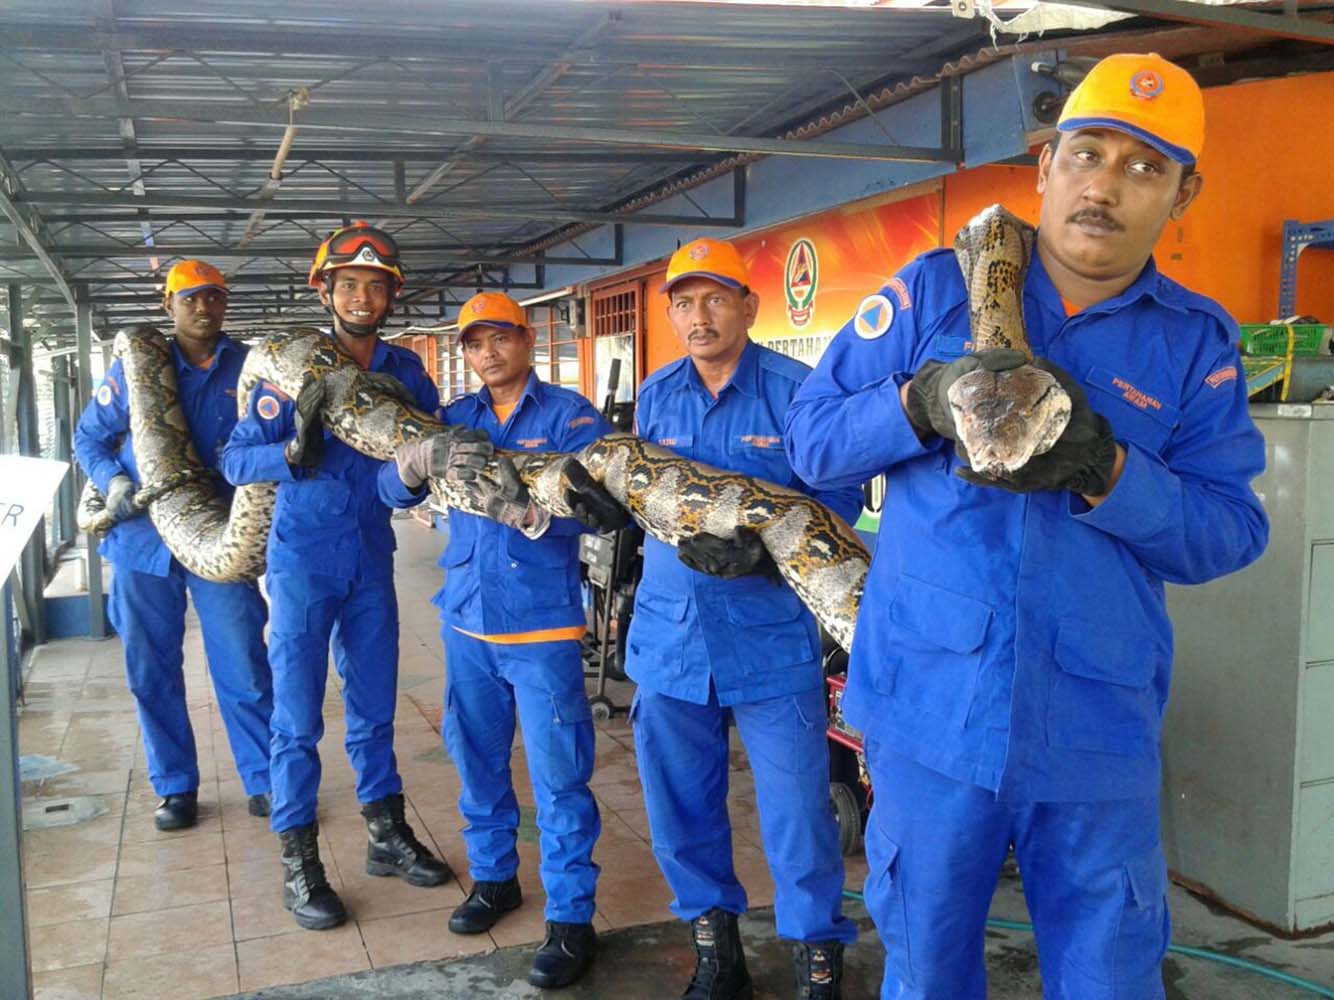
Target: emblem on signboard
[[801, 277]]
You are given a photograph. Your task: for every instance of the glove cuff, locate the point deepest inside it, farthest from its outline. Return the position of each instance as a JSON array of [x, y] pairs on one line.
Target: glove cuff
[[917, 408], [1094, 479]]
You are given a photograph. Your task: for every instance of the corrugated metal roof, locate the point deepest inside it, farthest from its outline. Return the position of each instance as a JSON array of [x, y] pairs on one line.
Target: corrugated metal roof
[[113, 105]]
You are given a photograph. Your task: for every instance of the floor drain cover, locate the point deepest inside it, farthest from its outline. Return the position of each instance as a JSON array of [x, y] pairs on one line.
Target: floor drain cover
[[44, 814]]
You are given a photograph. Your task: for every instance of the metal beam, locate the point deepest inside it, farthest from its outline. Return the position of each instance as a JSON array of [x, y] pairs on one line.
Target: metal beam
[[323, 208], [429, 44], [115, 66], [378, 121], [280, 278], [382, 154], [83, 325], [62, 409], [446, 253], [511, 109], [11, 187], [1303, 29], [15, 975], [33, 563]]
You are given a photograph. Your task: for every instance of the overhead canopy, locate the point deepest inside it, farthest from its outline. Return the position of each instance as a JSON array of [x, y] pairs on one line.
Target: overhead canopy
[[137, 132]]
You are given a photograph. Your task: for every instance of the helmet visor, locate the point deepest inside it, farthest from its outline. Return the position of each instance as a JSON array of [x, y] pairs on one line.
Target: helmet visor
[[348, 244]]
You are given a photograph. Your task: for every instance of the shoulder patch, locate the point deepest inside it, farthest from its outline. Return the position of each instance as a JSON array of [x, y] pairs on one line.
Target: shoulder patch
[[900, 291], [267, 406], [873, 317], [104, 394], [583, 421], [1228, 373]]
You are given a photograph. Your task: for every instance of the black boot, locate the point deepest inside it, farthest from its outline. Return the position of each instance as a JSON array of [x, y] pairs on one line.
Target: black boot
[[395, 850], [486, 904], [720, 964], [177, 812], [819, 970], [260, 804], [564, 956], [306, 892]]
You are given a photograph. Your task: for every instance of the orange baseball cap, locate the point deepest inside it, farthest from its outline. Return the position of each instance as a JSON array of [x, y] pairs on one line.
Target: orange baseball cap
[[1146, 96], [189, 276], [493, 309], [706, 258]]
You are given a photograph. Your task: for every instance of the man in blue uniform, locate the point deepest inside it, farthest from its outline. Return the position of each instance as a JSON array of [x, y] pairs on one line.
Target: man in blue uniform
[[1013, 653], [148, 590], [716, 634], [330, 575], [512, 619]]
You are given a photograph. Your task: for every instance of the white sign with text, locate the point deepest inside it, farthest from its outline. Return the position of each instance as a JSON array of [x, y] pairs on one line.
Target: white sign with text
[[26, 488]]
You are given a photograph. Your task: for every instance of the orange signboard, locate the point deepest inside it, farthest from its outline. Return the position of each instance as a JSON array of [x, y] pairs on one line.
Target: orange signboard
[[811, 274]]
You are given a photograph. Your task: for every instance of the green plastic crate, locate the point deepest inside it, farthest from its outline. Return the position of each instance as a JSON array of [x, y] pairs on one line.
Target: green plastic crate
[[1272, 338]]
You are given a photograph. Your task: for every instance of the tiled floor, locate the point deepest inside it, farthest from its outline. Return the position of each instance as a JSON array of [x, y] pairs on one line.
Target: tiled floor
[[119, 910]]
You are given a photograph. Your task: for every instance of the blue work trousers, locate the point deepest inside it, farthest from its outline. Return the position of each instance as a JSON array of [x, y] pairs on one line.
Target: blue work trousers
[[544, 682], [149, 614], [361, 618], [1094, 878], [683, 761]]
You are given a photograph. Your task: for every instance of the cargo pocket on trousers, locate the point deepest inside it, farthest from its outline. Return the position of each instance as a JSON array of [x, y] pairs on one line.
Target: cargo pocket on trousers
[[569, 741], [1145, 926], [885, 899], [810, 749]]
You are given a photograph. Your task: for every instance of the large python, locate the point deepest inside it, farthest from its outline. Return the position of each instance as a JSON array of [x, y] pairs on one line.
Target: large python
[[669, 496], [1003, 418], [816, 552]]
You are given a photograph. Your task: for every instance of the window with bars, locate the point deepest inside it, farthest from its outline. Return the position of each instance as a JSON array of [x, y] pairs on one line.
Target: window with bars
[[453, 375], [616, 323], [556, 349]]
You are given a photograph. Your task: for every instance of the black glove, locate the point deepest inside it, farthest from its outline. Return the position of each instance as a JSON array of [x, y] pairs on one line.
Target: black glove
[[120, 498], [592, 505], [306, 448], [456, 454], [1080, 461], [743, 554], [928, 406]]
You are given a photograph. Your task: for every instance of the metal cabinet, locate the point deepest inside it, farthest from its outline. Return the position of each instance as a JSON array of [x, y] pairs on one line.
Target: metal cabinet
[[1248, 741]]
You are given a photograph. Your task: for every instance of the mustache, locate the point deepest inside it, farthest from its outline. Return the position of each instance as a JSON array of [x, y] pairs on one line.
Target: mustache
[[706, 331], [1095, 215]]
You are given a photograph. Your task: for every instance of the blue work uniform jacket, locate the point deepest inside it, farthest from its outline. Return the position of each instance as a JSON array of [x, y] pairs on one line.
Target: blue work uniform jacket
[[102, 443], [1021, 642], [497, 581], [748, 638], [327, 520]]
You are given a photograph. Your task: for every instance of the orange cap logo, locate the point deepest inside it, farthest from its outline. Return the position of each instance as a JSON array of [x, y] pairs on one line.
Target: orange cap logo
[[189, 276], [1146, 84], [493, 309], [706, 258]]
